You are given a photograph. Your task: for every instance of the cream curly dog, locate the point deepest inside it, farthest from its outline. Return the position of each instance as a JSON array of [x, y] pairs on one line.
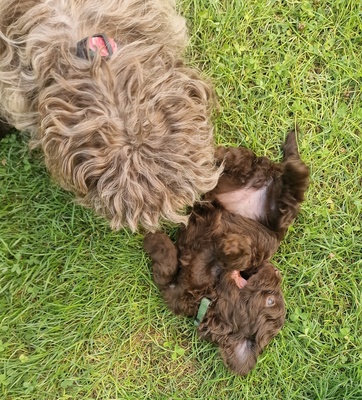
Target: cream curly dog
[[104, 92]]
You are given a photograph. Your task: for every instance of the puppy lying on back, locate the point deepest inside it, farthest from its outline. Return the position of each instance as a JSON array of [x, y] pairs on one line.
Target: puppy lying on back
[[220, 270]]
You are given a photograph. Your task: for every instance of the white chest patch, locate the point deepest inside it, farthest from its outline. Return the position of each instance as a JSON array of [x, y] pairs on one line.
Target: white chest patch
[[247, 202]]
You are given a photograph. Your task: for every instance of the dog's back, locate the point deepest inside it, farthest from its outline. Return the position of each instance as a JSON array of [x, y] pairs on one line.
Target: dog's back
[[117, 130]]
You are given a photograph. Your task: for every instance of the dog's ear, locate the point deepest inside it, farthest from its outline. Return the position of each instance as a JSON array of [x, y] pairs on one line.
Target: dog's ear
[[240, 355]]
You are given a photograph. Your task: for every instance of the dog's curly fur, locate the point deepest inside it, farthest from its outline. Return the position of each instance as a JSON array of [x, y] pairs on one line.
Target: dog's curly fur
[[129, 135], [224, 253]]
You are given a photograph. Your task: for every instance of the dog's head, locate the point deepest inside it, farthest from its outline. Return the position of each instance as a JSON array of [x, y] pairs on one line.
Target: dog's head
[[246, 315]]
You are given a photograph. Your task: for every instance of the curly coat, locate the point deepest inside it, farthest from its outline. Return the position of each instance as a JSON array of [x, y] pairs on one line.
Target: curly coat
[[130, 135], [224, 253]]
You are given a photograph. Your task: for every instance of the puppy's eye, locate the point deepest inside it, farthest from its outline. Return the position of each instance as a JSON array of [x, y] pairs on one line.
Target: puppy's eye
[[270, 301]]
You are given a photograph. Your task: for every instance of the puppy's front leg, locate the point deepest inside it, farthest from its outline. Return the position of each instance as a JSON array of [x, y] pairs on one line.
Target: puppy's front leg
[[288, 189], [164, 256]]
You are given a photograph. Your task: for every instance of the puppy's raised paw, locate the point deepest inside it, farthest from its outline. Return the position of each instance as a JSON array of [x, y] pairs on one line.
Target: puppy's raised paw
[[164, 256], [220, 154], [159, 247], [153, 241], [238, 161]]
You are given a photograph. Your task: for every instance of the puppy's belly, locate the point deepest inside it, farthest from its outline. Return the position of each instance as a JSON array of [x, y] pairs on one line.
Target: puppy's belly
[[247, 202]]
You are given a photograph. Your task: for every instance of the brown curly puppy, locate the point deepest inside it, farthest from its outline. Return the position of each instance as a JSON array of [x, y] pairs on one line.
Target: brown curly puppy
[[223, 255], [103, 90]]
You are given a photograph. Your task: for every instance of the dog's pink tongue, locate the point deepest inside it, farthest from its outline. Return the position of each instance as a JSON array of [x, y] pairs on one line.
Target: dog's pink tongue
[[97, 43], [239, 280]]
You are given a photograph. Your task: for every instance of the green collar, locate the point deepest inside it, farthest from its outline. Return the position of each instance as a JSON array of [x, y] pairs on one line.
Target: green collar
[[204, 305]]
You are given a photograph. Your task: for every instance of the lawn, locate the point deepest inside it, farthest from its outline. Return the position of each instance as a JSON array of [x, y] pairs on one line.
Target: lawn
[[79, 315]]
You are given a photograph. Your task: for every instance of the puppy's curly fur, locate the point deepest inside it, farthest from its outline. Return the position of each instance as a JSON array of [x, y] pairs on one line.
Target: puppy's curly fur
[[129, 135], [224, 253]]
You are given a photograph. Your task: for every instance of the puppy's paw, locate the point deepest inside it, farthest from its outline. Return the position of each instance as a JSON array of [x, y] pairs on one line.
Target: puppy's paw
[[164, 256], [154, 243], [220, 153], [159, 246], [238, 161]]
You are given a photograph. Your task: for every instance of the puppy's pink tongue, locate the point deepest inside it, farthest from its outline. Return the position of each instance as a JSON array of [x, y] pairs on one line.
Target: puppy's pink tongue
[[239, 280]]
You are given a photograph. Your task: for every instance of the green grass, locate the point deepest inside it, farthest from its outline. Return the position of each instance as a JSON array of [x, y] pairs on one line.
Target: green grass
[[79, 315]]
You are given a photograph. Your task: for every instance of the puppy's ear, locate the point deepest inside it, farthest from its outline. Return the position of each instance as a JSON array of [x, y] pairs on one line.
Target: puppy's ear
[[240, 355]]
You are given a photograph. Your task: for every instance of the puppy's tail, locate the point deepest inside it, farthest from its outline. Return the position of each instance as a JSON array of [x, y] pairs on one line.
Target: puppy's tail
[[290, 146], [163, 253]]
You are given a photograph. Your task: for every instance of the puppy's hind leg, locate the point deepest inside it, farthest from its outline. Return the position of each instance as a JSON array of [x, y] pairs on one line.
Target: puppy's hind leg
[[295, 174], [163, 253], [287, 192]]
